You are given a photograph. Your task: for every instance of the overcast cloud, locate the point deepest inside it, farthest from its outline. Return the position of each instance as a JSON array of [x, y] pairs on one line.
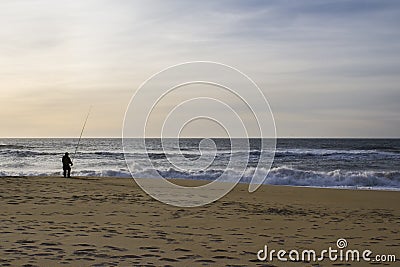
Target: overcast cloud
[[328, 68]]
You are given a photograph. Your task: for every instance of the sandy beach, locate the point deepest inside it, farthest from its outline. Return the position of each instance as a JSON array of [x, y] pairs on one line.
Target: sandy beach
[[52, 221]]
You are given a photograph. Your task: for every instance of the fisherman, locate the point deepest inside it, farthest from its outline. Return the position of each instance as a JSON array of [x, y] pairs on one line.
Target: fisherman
[[66, 160]]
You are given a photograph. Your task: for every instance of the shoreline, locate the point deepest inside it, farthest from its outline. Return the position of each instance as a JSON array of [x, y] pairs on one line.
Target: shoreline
[[96, 221], [203, 181]]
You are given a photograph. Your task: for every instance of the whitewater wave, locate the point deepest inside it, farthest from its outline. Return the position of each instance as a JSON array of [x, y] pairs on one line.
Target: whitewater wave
[[283, 175], [337, 178], [335, 153], [286, 175]]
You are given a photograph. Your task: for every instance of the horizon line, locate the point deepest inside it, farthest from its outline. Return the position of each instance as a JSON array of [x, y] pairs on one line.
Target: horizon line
[[201, 137]]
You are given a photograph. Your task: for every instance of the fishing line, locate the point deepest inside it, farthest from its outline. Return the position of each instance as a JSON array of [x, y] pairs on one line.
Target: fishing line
[[83, 128]]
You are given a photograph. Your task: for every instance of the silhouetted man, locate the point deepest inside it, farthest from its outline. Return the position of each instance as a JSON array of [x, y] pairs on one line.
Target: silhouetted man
[[67, 163]]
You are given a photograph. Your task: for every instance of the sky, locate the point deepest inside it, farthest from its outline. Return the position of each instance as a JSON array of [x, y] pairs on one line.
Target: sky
[[327, 68]]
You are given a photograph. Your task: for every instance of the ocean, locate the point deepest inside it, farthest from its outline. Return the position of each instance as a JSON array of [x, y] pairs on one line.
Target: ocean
[[338, 163]]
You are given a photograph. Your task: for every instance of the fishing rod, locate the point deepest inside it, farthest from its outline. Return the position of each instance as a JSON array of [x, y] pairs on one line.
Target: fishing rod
[[83, 128]]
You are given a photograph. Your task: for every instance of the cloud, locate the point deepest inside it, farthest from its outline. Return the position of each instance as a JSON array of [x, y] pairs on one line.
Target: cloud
[[327, 55]]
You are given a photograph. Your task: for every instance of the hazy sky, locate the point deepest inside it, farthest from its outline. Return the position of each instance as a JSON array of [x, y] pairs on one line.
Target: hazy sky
[[328, 68]]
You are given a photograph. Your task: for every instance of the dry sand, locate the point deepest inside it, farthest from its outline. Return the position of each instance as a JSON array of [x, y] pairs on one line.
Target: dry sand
[[51, 221]]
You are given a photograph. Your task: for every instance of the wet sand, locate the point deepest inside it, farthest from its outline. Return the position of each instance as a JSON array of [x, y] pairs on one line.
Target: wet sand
[[52, 221]]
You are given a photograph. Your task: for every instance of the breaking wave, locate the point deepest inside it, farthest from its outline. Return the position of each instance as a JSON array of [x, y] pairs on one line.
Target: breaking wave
[[283, 175]]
